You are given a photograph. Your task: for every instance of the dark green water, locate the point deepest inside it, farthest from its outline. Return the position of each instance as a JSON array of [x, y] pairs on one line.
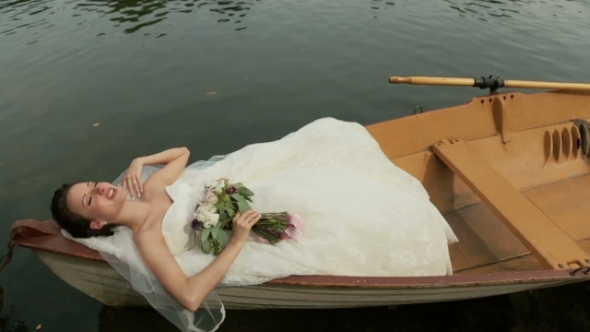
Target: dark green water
[[145, 70]]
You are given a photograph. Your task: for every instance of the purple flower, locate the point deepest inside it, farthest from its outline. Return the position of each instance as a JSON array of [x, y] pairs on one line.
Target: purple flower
[[196, 225]]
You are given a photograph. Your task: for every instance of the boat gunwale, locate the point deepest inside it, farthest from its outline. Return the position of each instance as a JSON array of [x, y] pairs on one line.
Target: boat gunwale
[[24, 234]]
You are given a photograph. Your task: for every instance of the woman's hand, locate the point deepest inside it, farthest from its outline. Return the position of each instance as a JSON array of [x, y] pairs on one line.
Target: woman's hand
[[242, 223], [132, 180]]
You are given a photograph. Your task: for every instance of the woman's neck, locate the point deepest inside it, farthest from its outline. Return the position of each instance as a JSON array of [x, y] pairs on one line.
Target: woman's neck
[[134, 214]]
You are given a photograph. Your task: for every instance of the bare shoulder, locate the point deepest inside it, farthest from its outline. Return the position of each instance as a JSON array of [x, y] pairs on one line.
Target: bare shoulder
[[149, 238], [150, 234]]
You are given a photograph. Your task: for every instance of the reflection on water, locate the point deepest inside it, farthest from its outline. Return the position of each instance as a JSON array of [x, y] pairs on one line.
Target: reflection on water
[[7, 322], [380, 5], [132, 15], [141, 319], [483, 9], [129, 15], [562, 308]]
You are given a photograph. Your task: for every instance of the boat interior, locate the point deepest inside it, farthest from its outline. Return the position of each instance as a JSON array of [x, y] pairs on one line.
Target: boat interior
[[510, 176]]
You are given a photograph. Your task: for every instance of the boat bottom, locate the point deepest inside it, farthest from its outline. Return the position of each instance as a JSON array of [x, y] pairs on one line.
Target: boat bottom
[[486, 245]]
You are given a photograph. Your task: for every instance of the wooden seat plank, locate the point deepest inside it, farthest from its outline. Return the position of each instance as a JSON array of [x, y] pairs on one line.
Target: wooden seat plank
[[546, 241]]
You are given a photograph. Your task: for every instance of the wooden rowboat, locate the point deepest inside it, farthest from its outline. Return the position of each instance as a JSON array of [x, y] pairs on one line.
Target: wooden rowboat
[[507, 170]]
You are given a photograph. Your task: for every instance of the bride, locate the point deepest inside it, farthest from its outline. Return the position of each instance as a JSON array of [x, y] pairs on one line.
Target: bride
[[364, 217]]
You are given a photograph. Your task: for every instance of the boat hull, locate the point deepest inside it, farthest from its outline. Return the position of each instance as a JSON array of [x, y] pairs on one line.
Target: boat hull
[[101, 282]]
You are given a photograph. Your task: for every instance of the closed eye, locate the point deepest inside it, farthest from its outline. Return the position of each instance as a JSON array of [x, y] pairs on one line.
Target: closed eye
[[93, 185]]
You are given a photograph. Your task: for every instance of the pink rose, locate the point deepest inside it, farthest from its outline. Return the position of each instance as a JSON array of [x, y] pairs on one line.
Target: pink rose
[[295, 229], [263, 240]]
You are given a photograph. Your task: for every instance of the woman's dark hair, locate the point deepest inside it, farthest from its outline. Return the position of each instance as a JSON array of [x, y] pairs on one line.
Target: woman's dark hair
[[74, 223]]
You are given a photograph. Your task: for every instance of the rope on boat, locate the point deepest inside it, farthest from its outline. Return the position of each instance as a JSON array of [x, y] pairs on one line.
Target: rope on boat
[[585, 269], [584, 129], [7, 256]]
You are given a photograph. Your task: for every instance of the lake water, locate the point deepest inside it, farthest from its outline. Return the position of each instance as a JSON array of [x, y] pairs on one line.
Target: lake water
[[85, 86]]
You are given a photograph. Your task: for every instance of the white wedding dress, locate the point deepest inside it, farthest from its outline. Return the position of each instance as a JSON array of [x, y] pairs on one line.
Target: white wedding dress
[[364, 216]]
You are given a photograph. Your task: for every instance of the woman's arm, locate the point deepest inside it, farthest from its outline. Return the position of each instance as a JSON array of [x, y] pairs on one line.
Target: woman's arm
[[191, 292], [175, 160], [163, 157]]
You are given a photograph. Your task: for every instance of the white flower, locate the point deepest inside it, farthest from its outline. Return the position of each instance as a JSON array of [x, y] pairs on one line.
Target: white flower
[[213, 220], [215, 185], [207, 215]]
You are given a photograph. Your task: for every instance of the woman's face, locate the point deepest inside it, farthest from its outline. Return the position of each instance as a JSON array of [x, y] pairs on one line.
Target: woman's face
[[100, 201]]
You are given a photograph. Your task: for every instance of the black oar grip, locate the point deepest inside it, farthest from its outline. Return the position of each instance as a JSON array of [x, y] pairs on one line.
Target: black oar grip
[[492, 83]]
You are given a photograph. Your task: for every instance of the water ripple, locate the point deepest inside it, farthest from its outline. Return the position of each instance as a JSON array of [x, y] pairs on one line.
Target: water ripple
[[382, 5], [129, 15], [486, 9]]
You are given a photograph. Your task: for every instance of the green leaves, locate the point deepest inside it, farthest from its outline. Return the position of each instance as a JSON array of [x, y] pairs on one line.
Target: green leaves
[[214, 232], [205, 234], [214, 239], [206, 246], [246, 193], [243, 205], [222, 239]]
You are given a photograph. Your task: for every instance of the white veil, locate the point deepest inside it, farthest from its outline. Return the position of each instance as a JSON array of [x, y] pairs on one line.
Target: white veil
[[130, 265]]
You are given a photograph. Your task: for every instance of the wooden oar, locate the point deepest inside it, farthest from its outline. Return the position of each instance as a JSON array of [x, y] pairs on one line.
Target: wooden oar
[[492, 83]]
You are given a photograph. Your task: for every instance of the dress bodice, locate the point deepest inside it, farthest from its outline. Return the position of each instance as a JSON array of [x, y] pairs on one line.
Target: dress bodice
[[176, 227]]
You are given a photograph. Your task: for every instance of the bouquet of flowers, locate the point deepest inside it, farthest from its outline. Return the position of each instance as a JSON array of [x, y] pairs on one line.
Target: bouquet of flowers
[[221, 201]]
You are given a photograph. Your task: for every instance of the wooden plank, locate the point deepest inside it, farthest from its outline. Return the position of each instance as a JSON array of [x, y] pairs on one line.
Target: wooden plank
[[551, 246], [458, 260], [471, 248], [566, 203], [492, 232], [525, 263], [483, 238], [585, 244]]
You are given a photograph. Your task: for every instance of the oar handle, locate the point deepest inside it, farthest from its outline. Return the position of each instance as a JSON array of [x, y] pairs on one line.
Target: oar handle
[[492, 83], [547, 85], [424, 80]]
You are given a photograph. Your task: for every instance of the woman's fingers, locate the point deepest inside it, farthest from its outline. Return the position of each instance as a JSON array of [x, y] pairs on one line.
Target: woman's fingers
[[254, 219], [137, 186], [132, 183], [247, 217], [252, 216], [130, 186]]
